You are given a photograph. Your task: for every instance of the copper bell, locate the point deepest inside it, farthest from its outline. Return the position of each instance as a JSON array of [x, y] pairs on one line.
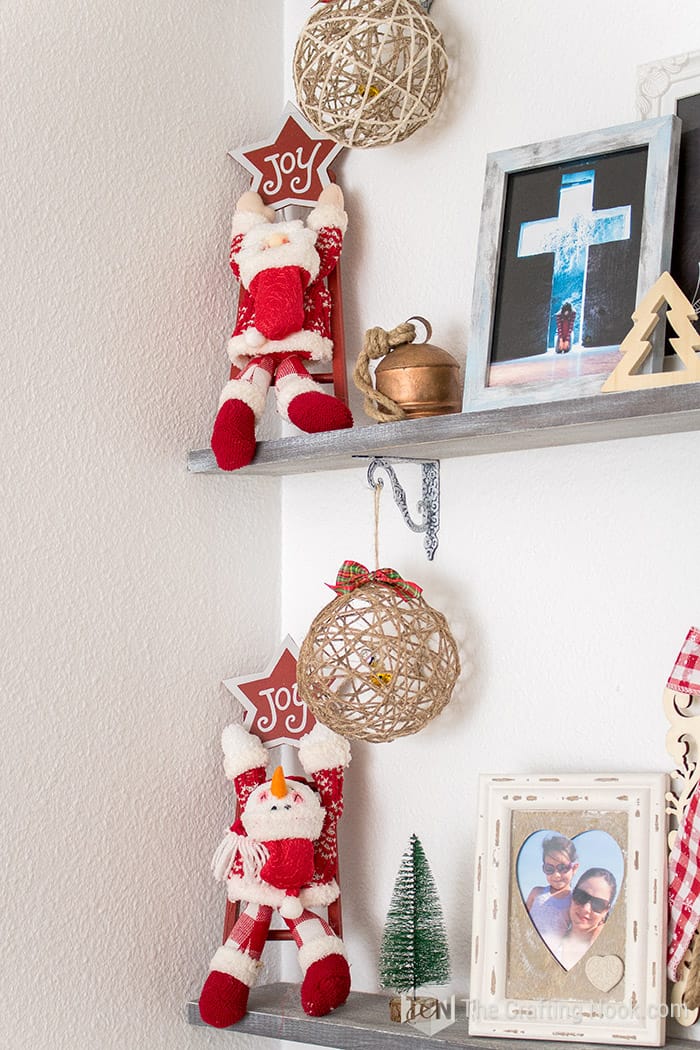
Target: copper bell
[[421, 378]]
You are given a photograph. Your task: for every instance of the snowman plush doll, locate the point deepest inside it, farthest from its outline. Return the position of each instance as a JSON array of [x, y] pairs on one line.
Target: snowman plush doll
[[283, 320], [280, 854]]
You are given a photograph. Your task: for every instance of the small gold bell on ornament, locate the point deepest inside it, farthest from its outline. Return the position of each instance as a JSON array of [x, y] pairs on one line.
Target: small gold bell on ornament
[[421, 378]]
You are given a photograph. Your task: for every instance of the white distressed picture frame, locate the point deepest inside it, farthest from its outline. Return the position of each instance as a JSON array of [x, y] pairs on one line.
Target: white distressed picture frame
[[638, 1013], [661, 136], [662, 83]]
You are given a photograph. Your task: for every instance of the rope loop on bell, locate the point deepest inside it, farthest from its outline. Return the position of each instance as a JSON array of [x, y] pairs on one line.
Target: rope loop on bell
[[378, 343]]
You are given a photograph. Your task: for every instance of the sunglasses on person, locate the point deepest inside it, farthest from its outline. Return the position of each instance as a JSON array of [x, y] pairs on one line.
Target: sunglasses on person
[[561, 869], [597, 903]]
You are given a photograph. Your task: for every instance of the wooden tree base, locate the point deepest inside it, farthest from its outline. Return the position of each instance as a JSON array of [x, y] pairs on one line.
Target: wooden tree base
[[418, 1008]]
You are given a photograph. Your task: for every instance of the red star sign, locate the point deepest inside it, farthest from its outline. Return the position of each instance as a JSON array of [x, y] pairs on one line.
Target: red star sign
[[291, 168], [273, 710]]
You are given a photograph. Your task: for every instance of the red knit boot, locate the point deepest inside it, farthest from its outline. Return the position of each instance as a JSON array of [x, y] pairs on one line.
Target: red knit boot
[[326, 985], [224, 1000], [301, 400], [235, 968], [233, 437], [241, 406], [315, 412]]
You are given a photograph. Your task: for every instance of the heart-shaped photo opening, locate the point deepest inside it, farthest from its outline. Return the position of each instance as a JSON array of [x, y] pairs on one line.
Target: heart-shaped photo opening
[[569, 887]]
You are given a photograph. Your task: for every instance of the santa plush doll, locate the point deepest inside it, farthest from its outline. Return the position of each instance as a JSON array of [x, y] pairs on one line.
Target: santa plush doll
[[283, 320], [280, 854]]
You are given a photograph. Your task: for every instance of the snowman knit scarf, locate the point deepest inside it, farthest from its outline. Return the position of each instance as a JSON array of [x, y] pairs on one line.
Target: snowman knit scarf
[[684, 886]]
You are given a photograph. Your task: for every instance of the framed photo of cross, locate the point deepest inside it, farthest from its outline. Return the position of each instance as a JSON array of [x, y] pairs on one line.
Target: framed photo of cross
[[573, 233]]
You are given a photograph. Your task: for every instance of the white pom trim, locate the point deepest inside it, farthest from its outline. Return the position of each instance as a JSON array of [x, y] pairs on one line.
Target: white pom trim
[[236, 964], [323, 749], [291, 907], [242, 750], [320, 948], [327, 215], [239, 889], [254, 339], [249, 393], [245, 221], [317, 896], [320, 895], [320, 347]]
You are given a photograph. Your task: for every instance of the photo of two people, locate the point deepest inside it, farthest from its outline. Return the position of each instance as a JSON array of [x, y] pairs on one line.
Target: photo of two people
[[569, 887]]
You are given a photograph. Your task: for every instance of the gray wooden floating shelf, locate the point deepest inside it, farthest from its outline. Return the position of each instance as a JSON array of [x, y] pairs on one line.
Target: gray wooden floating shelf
[[363, 1024], [603, 417]]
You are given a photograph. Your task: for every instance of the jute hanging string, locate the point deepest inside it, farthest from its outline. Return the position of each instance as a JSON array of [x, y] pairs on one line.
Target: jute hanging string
[[369, 72], [377, 344], [378, 662]]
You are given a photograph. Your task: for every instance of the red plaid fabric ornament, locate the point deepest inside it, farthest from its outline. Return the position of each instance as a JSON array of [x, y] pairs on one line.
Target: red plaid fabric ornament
[[684, 886], [685, 676]]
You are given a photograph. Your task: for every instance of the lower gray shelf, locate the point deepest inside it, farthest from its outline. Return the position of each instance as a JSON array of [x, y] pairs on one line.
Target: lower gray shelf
[[641, 413], [363, 1024]]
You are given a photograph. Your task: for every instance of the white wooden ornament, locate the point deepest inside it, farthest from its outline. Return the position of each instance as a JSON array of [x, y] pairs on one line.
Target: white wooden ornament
[[683, 745], [636, 347]]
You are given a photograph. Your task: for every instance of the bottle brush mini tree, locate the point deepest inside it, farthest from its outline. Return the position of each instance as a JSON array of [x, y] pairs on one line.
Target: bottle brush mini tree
[[414, 948]]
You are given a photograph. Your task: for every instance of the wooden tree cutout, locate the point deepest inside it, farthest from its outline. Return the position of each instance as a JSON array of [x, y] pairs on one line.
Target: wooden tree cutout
[[636, 346]]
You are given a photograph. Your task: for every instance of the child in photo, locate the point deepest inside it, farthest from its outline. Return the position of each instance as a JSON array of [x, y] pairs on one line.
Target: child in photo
[[549, 905]]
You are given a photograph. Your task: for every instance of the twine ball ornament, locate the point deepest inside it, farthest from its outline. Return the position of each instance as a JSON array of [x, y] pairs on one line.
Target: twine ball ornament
[[369, 72], [378, 662]]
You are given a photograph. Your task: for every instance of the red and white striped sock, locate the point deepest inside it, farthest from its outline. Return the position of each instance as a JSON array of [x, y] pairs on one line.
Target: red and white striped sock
[[323, 962], [234, 968], [250, 930], [258, 374]]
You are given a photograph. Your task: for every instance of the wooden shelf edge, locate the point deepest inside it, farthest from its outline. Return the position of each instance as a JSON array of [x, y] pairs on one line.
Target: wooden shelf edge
[[362, 1024], [642, 413]]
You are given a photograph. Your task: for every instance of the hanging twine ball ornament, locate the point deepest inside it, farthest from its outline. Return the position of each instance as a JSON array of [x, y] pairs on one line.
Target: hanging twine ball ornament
[[378, 662], [369, 72]]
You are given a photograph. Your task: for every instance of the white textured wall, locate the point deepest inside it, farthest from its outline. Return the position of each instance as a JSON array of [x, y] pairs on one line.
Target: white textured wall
[[569, 573], [130, 589]]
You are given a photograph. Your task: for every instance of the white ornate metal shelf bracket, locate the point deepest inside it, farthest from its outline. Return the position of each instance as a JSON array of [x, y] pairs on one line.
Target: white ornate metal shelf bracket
[[683, 745], [429, 503]]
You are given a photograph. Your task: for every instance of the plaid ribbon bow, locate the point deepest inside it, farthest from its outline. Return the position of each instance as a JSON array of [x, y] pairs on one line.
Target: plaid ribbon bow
[[685, 676], [352, 574]]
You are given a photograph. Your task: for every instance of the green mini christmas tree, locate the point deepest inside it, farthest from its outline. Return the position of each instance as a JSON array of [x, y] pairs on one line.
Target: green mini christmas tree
[[414, 948]]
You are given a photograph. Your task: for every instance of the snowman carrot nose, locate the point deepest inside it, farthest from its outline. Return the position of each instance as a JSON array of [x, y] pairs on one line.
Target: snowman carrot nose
[[278, 786]]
